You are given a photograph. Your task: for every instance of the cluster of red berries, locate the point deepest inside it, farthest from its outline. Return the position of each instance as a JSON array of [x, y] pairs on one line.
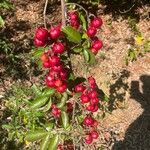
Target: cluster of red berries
[[91, 32], [89, 98], [74, 19]]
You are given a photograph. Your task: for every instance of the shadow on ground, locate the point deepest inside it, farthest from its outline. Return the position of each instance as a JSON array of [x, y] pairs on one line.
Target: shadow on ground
[[137, 136]]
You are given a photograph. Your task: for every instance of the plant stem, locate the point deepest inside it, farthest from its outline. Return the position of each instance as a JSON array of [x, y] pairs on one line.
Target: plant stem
[[63, 7], [44, 12]]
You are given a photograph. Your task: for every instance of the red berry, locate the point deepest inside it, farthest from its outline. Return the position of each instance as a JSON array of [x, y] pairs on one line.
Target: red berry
[[75, 24], [84, 98], [46, 64], [58, 48], [60, 147], [88, 121], [91, 81], [63, 74], [44, 57], [91, 32], [55, 33], [95, 124], [94, 51], [50, 83], [97, 44], [94, 134], [54, 60], [58, 68], [41, 34], [90, 107], [79, 88], [95, 108], [39, 43], [73, 15], [88, 139], [93, 94], [58, 82], [96, 22], [94, 101], [56, 112], [62, 88]]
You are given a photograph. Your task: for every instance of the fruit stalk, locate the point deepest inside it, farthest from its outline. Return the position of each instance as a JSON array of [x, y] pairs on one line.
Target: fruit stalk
[[63, 8]]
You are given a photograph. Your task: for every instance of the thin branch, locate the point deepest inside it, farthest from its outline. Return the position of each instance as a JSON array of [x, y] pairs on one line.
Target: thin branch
[[44, 12], [63, 8], [123, 12], [81, 8]]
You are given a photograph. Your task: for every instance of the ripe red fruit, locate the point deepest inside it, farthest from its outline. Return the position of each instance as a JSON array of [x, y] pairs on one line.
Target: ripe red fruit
[[96, 22], [92, 94], [63, 74], [50, 83], [91, 32], [73, 15], [95, 124], [97, 44], [95, 108], [60, 147], [44, 57], [41, 34], [94, 134], [94, 101], [58, 48], [55, 33], [75, 24], [88, 139], [46, 64], [39, 43], [90, 107], [54, 60], [62, 88], [56, 112], [58, 82], [58, 68], [88, 121], [94, 51], [91, 81], [79, 88], [84, 98]]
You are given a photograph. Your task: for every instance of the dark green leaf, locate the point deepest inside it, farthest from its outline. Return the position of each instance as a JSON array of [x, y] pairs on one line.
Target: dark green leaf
[[36, 135], [48, 106], [72, 34], [40, 101], [83, 22], [65, 119], [78, 49], [92, 57], [53, 142], [63, 100], [36, 90], [45, 142]]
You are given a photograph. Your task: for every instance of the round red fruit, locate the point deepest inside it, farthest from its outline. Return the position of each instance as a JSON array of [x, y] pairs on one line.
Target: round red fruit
[[39, 43], [44, 57], [58, 82], [94, 134], [90, 107], [56, 112], [73, 15], [41, 34], [50, 83], [94, 51], [88, 121], [62, 88], [55, 33], [46, 64], [75, 24], [79, 88], [91, 81], [94, 101], [54, 61], [58, 68], [91, 32], [60, 147], [84, 98], [95, 124], [96, 22], [58, 48], [88, 139], [63, 74], [97, 44], [95, 108], [93, 94]]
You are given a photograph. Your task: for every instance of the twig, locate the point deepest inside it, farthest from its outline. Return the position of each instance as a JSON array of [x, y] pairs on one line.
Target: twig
[[123, 12], [81, 8], [44, 12], [63, 7]]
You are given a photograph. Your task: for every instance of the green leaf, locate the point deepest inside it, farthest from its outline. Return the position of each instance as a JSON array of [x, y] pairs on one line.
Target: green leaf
[[7, 126], [53, 142], [78, 49], [45, 142], [36, 90], [86, 55], [49, 126], [84, 24], [63, 100], [65, 119], [92, 57], [72, 34], [48, 91], [35, 135], [40, 101], [48, 106], [2, 23], [85, 36], [37, 52]]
